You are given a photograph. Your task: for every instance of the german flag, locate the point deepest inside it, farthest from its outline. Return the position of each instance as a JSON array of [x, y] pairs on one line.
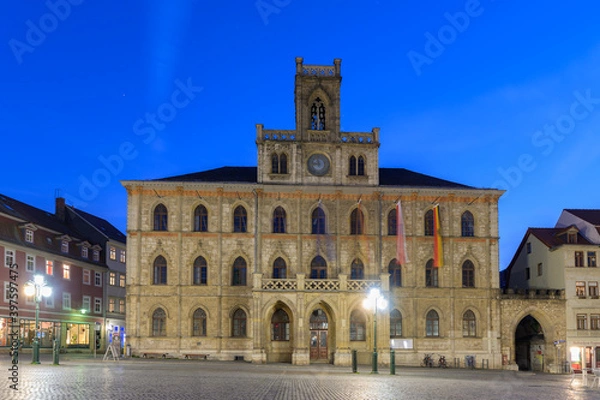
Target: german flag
[[438, 251]]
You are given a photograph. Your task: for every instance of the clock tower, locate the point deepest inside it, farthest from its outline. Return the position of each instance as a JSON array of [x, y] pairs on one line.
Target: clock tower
[[317, 152]]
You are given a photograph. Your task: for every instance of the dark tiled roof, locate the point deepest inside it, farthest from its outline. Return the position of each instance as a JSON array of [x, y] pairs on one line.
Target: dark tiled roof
[[591, 216], [223, 174], [105, 227], [552, 237], [387, 177]]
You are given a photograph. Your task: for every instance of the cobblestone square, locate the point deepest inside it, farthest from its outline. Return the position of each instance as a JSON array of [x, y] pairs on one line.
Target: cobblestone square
[[85, 378]]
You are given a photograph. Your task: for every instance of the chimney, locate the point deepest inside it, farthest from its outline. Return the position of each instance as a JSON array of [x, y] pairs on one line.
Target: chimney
[[60, 209]]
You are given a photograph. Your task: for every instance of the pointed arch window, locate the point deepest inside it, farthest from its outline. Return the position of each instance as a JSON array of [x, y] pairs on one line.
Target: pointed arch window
[[279, 269], [357, 269], [468, 274], [283, 169], [159, 322], [317, 115], [279, 163], [280, 326], [238, 326], [469, 324], [361, 166], [274, 163], [199, 323], [432, 324], [428, 220], [239, 272], [467, 224], [240, 219], [352, 166], [356, 222], [200, 219], [358, 324], [318, 268], [199, 271], [395, 271], [395, 324], [160, 271], [392, 223], [160, 218], [431, 274], [279, 220], [318, 221]]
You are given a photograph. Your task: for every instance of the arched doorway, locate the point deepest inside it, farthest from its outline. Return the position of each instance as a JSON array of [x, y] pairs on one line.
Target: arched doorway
[[529, 345], [319, 328]]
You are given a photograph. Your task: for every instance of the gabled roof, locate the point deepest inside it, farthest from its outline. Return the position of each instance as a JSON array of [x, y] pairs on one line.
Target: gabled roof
[[387, 177], [101, 225], [33, 215], [591, 216], [552, 237]]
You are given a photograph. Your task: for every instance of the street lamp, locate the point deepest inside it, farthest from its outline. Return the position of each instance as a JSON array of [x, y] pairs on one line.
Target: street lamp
[[38, 289], [375, 301]]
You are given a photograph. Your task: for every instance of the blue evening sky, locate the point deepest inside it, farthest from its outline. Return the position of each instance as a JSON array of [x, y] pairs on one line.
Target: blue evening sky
[[488, 93]]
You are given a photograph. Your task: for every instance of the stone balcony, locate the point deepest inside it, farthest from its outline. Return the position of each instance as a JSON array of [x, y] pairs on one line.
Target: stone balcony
[[302, 284]]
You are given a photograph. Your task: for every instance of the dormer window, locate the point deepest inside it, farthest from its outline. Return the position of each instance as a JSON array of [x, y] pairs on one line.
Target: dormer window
[[28, 235], [317, 115], [96, 255], [572, 237], [84, 252], [64, 246]]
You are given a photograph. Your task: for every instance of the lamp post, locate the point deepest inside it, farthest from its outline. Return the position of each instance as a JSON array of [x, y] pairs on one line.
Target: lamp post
[[38, 289], [375, 301]]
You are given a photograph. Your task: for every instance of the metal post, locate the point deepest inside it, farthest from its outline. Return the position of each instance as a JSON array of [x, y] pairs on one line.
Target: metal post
[[354, 362], [392, 362], [374, 369], [55, 351], [36, 343]]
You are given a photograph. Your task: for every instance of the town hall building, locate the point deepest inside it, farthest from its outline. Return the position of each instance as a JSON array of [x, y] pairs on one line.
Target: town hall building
[[272, 263]]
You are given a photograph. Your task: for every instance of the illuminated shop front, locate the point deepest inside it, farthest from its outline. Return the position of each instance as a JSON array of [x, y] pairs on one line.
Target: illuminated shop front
[[78, 335], [585, 356]]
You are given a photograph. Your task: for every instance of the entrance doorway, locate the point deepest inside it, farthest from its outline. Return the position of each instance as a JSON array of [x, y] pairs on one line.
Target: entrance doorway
[[318, 336], [529, 345]]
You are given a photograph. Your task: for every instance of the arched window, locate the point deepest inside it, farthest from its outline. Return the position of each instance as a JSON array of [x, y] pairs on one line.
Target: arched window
[[239, 272], [468, 274], [240, 218], [199, 323], [279, 269], [283, 164], [429, 223], [392, 221], [280, 326], [361, 166], [159, 322], [318, 221], [274, 163], [352, 166], [395, 271], [357, 269], [356, 222], [238, 326], [432, 328], [467, 224], [395, 324], [469, 324], [200, 219], [431, 274], [358, 325], [160, 218], [199, 274], [279, 219], [318, 268], [317, 115], [160, 271]]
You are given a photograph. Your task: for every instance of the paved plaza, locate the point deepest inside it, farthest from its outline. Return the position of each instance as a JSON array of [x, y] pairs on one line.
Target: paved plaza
[[87, 378]]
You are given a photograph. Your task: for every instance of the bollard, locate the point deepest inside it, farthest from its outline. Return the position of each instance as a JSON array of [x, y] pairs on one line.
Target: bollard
[[354, 362], [392, 362], [55, 352]]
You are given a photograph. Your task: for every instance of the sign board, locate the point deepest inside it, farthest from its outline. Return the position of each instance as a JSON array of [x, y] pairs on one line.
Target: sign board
[[401, 344]]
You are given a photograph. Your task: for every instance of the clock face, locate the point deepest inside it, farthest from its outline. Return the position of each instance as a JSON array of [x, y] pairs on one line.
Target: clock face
[[318, 164]]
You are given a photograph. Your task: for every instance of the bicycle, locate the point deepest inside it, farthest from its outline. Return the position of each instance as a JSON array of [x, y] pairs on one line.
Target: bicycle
[[427, 361], [442, 362]]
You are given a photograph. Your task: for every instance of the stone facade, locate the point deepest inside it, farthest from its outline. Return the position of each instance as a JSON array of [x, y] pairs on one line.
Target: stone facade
[[324, 170]]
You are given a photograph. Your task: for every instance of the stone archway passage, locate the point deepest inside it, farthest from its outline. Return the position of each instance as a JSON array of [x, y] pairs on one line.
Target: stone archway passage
[[529, 345], [319, 327]]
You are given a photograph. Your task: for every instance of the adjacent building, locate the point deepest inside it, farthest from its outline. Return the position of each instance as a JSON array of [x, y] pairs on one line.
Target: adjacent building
[[271, 263], [64, 250], [565, 257]]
